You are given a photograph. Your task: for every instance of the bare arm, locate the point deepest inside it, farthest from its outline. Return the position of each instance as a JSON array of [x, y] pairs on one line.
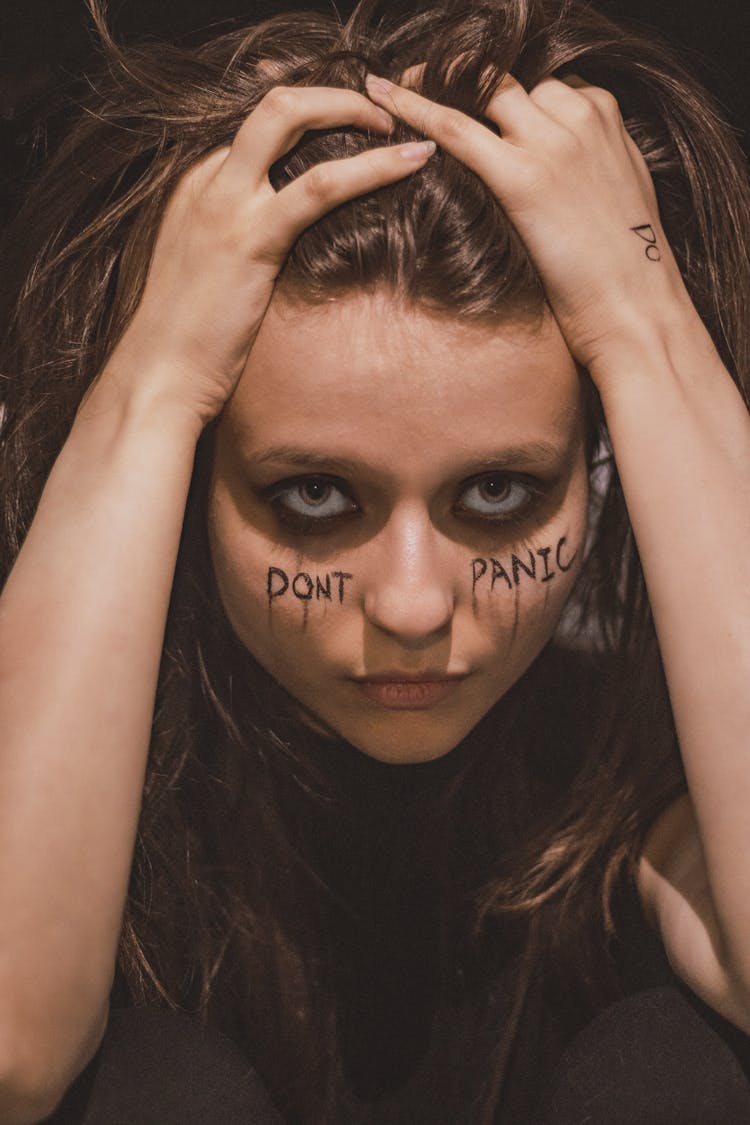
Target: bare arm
[[83, 613], [81, 626], [679, 408], [579, 192]]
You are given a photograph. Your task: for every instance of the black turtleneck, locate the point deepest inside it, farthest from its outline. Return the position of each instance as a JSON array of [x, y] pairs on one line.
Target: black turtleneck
[[400, 863]]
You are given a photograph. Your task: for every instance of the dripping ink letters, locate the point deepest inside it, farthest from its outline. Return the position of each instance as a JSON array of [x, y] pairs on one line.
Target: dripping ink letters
[[537, 567], [304, 587]]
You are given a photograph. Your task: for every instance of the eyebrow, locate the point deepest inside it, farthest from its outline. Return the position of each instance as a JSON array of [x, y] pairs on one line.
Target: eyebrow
[[531, 454]]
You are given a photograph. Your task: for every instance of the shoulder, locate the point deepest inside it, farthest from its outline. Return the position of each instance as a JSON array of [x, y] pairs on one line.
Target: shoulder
[[673, 887]]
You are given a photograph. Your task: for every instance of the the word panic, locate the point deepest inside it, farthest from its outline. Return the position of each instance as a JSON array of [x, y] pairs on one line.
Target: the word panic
[[536, 566]]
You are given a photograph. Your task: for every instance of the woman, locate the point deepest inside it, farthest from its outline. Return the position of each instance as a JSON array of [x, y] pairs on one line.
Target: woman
[[363, 811]]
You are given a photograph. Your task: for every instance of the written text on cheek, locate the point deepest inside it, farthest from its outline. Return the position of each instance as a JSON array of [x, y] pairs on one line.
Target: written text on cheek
[[304, 586], [539, 565], [536, 565]]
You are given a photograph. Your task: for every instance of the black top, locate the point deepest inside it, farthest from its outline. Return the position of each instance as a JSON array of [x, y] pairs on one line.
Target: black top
[[420, 1020], [419, 1029]]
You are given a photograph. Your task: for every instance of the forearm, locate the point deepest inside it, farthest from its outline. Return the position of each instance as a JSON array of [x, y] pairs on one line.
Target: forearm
[[681, 436], [81, 630]]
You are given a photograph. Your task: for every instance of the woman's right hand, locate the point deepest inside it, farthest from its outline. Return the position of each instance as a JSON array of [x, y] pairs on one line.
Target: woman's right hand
[[82, 615], [225, 235]]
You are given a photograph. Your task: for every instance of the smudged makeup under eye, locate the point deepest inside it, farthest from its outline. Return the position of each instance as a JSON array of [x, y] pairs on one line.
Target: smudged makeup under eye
[[501, 497], [318, 503], [311, 504]]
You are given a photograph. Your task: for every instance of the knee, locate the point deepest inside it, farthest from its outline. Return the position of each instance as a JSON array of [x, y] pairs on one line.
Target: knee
[[650, 1058], [158, 1067]]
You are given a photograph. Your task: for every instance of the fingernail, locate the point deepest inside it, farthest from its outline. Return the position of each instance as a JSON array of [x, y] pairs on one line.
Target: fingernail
[[379, 85], [417, 150]]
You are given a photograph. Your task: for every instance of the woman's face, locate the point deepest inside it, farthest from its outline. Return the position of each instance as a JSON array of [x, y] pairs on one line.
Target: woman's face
[[397, 513]]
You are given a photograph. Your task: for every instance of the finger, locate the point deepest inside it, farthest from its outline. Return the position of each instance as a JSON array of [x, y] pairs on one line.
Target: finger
[[325, 186], [598, 94], [574, 103], [284, 114], [510, 108], [516, 114], [468, 140], [609, 108], [412, 76]]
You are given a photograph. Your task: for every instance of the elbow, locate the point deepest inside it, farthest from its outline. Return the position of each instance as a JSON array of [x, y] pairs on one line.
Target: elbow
[[17, 1107], [34, 1077], [26, 1096], [722, 984]]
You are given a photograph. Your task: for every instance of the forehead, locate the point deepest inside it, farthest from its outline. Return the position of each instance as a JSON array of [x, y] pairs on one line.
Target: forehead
[[373, 380]]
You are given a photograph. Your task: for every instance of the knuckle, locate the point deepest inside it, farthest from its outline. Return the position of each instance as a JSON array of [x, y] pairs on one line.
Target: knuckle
[[372, 161], [204, 172], [567, 143], [199, 195], [369, 162], [571, 145], [585, 112], [188, 189], [279, 101], [451, 123], [193, 177], [608, 104], [318, 182]]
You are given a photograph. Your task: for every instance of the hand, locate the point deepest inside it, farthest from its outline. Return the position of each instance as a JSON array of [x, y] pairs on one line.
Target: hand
[[225, 235], [576, 187]]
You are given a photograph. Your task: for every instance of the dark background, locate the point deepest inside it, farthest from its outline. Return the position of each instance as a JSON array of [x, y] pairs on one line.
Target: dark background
[[44, 46]]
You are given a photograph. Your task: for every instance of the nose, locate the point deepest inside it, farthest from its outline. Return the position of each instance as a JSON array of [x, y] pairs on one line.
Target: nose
[[411, 596]]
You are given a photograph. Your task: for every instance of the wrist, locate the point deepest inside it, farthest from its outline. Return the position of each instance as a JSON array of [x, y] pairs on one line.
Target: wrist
[[666, 387], [145, 402], [677, 344]]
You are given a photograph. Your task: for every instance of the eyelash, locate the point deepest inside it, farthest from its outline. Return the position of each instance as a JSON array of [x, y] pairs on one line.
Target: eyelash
[[305, 524], [308, 524]]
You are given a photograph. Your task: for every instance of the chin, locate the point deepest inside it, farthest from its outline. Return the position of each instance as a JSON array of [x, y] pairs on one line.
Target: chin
[[401, 736], [408, 740], [398, 755]]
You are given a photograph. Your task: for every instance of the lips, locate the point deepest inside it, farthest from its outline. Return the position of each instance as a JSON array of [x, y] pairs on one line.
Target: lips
[[408, 691]]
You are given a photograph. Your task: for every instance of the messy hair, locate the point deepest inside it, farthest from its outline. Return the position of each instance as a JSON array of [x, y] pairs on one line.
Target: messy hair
[[227, 913]]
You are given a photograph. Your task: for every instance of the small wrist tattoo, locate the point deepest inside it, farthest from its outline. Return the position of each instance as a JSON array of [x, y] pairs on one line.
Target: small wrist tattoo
[[648, 234]]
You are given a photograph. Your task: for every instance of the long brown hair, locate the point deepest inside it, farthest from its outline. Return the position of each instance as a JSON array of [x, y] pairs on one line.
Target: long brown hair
[[228, 913]]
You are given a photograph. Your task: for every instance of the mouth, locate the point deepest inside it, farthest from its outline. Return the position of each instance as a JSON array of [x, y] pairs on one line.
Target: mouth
[[407, 691]]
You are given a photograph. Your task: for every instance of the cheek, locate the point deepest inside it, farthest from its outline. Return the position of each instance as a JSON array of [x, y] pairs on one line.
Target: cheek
[[518, 594], [291, 611], [533, 574], [278, 603], [523, 592]]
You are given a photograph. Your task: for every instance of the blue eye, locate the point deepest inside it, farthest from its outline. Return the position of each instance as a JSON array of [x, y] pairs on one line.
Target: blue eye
[[497, 496], [309, 500]]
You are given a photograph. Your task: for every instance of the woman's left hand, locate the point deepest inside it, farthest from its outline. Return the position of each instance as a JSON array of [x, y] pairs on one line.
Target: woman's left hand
[[577, 189]]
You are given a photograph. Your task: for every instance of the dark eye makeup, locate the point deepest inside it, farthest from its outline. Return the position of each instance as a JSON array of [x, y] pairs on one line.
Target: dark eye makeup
[[317, 503], [312, 504]]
